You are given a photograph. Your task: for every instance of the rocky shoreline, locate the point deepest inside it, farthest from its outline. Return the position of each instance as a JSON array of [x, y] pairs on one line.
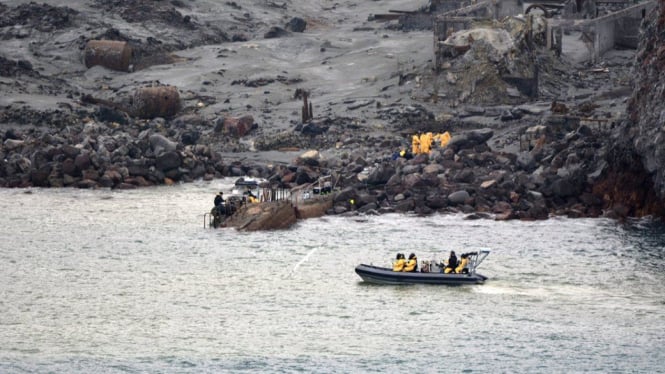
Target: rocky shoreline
[[583, 163]]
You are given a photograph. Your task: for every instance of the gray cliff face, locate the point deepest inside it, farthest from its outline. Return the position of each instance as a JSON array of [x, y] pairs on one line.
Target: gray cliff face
[[646, 108]]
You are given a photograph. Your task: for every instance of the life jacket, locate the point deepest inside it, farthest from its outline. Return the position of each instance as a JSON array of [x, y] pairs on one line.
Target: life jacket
[[412, 265], [462, 265], [399, 265]]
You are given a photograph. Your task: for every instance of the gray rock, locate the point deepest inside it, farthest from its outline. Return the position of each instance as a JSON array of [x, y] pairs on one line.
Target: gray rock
[[380, 175], [82, 161], [275, 32], [410, 169], [526, 161], [13, 144], [470, 139], [436, 201], [433, 169], [564, 188], [458, 197], [168, 161], [464, 176], [160, 144], [296, 24]]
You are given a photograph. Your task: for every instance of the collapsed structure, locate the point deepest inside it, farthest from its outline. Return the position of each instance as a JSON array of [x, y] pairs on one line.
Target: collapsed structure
[[486, 52], [507, 33]]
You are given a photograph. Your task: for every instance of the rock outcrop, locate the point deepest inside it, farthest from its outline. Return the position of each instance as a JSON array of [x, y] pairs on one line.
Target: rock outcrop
[[263, 216], [646, 111]]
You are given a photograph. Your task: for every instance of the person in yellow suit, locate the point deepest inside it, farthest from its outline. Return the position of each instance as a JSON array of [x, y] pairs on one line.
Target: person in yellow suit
[[444, 139], [399, 263], [412, 264], [415, 144], [251, 197], [464, 261], [425, 143]]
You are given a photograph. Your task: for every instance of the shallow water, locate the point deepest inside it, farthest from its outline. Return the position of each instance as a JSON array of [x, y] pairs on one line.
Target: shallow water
[[131, 281]]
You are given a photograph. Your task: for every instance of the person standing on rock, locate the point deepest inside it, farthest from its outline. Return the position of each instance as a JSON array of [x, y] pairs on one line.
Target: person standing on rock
[[219, 198], [425, 142], [219, 202], [443, 139], [415, 144]]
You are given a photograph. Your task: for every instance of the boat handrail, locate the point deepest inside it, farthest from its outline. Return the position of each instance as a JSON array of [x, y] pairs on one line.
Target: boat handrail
[[482, 255], [477, 259]]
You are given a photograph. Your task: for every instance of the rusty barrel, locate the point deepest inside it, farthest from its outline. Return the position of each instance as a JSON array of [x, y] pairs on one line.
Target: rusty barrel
[[111, 54], [159, 101]]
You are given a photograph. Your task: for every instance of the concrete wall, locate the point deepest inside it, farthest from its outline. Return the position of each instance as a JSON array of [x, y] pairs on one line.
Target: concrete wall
[[416, 21], [616, 26], [604, 38], [620, 28], [507, 8], [627, 32], [443, 6]]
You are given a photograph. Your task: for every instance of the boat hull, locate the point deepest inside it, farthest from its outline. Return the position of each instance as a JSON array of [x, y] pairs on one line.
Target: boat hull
[[380, 275]]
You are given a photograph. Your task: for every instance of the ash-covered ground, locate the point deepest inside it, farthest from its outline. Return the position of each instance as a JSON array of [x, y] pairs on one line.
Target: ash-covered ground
[[242, 70]]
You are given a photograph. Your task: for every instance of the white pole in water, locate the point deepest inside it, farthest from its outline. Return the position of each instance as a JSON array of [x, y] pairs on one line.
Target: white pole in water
[[303, 260]]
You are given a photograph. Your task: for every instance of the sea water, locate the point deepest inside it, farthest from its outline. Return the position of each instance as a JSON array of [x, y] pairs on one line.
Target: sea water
[[132, 282]]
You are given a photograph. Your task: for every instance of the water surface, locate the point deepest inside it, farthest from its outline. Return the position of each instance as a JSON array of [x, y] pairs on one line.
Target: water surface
[[131, 281]]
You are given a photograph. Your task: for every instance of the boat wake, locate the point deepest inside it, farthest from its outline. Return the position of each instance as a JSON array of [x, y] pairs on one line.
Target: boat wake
[[297, 265]]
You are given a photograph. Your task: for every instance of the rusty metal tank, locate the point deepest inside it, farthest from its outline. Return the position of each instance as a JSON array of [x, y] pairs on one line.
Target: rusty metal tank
[[111, 54], [159, 101]]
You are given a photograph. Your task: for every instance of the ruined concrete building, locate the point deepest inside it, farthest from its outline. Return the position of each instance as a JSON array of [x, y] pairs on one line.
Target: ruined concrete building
[[604, 24]]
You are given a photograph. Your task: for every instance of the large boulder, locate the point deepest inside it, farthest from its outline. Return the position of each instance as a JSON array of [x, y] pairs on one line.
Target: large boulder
[[168, 161], [311, 157], [160, 144], [296, 24], [458, 197], [470, 139], [380, 175], [263, 216], [237, 126], [313, 208]]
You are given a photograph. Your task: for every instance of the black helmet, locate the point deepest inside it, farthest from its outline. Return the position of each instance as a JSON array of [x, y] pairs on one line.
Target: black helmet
[[412, 255]]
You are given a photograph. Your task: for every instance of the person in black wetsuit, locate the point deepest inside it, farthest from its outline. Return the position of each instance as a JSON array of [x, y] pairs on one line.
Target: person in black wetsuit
[[219, 198], [452, 263], [219, 203]]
